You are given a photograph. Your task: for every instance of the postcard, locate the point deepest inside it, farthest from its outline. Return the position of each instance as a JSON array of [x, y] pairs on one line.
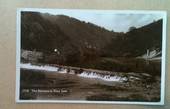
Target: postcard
[[90, 56]]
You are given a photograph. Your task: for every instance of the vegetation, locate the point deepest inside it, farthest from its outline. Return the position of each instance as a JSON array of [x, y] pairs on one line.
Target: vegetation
[[86, 45]]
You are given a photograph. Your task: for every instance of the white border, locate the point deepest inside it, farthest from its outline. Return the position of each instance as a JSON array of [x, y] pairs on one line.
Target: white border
[[163, 69]]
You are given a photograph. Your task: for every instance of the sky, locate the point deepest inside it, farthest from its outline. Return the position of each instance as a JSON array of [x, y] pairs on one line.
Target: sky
[[110, 20]]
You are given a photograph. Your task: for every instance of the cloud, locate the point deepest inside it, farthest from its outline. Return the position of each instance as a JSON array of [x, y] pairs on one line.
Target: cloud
[[118, 22]]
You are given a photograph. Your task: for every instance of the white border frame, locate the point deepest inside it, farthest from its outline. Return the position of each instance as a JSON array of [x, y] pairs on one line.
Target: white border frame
[[163, 62]]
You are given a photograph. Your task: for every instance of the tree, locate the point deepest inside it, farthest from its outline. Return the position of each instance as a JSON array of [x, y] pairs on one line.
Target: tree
[[132, 28]]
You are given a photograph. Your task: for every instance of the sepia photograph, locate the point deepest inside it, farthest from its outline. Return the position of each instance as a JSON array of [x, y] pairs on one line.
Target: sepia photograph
[[90, 56]]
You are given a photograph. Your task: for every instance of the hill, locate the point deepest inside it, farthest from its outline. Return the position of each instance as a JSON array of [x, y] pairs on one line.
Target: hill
[[69, 41]]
